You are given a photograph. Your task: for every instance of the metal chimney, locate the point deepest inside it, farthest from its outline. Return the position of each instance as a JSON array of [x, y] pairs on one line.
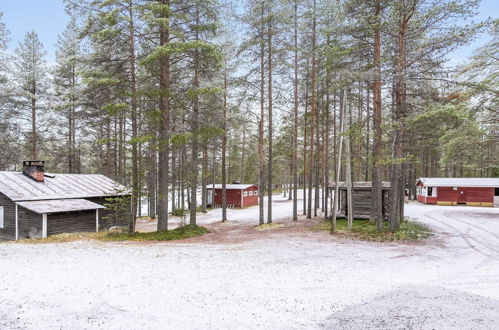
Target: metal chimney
[[34, 169]]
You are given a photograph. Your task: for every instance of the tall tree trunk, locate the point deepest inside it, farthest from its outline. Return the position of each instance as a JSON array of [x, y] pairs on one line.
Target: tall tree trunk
[[261, 160], [295, 115], [334, 211], [33, 123], [242, 155], [204, 177], [348, 163], [195, 133], [314, 119], [270, 132], [164, 107], [133, 90], [377, 198], [224, 150]]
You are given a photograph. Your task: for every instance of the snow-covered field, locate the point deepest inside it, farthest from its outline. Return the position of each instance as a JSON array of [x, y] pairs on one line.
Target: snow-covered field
[[295, 281]]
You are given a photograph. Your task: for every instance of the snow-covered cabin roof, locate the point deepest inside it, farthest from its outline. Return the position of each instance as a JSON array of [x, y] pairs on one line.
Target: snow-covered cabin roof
[[60, 205], [460, 182], [18, 187], [238, 186]]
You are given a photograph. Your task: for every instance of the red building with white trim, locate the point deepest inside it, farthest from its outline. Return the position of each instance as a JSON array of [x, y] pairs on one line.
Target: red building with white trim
[[238, 195], [458, 191]]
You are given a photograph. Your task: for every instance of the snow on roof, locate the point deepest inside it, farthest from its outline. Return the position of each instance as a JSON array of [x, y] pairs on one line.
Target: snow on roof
[[60, 205], [359, 184], [238, 186], [18, 187], [460, 182]]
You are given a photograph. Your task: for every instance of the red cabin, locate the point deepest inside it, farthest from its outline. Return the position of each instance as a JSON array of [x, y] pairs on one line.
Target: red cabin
[[238, 195], [459, 191]]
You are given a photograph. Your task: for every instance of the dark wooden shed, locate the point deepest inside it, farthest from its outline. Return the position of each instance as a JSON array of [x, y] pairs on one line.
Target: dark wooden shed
[[35, 204], [361, 199]]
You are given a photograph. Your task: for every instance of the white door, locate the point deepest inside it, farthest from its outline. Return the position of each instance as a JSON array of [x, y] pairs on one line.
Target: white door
[[496, 201]]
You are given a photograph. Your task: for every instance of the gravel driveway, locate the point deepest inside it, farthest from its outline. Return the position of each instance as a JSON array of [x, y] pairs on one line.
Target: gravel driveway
[[294, 281]]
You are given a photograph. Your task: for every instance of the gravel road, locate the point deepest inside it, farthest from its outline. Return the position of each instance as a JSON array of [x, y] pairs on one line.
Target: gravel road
[[297, 281]]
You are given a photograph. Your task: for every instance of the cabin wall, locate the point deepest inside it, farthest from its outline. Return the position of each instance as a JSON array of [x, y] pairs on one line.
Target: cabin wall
[[30, 224], [250, 200], [233, 197], [362, 203], [71, 222], [9, 231], [472, 196]]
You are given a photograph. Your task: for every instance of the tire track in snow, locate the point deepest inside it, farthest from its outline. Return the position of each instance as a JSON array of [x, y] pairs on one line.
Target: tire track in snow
[[468, 239]]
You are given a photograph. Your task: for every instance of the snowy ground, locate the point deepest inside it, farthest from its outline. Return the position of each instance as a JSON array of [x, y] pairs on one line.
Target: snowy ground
[[293, 281]]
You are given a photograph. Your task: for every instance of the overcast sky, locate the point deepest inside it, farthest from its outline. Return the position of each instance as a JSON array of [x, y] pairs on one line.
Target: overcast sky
[[48, 18]]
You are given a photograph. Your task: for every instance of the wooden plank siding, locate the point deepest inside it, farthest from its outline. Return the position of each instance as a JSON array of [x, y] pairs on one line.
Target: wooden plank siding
[[9, 221], [71, 222], [361, 202], [30, 224]]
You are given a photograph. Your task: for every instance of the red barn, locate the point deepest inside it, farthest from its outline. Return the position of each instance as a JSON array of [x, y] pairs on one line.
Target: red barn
[[238, 195], [459, 191]]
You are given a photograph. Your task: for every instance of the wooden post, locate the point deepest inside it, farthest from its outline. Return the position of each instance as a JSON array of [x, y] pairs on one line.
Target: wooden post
[[17, 223], [97, 220], [44, 225]]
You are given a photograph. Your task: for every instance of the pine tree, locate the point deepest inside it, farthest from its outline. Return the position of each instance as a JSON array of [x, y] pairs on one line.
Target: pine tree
[[31, 81], [67, 86]]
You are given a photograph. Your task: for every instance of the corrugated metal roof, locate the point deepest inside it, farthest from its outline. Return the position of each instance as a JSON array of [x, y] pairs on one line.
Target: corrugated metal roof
[[19, 187], [231, 186], [460, 182], [360, 184], [60, 205]]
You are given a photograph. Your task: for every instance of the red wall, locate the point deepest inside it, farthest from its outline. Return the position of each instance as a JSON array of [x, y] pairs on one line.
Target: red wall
[[251, 200], [469, 194], [427, 200], [234, 197]]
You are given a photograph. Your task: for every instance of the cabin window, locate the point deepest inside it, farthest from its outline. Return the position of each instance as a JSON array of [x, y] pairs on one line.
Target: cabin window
[[245, 193], [255, 192], [496, 193], [251, 192], [1, 217], [430, 191]]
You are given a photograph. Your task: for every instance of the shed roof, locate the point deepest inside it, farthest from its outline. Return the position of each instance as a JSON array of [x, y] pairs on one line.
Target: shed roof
[[60, 205], [231, 186], [460, 182], [18, 187], [359, 184]]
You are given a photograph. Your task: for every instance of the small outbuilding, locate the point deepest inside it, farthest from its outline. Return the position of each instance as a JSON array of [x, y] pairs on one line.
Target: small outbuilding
[[458, 191], [35, 204], [238, 195], [361, 199]]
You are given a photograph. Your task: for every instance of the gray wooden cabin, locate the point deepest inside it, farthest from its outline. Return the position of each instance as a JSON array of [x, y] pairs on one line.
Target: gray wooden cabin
[[35, 204], [361, 199]]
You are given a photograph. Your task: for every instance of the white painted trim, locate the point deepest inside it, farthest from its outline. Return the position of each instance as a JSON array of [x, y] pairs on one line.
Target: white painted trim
[[242, 199], [44, 225], [97, 220], [17, 223]]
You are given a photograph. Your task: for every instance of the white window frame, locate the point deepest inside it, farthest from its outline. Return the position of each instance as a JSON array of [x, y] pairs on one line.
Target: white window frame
[[245, 193], [2, 216], [250, 193]]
